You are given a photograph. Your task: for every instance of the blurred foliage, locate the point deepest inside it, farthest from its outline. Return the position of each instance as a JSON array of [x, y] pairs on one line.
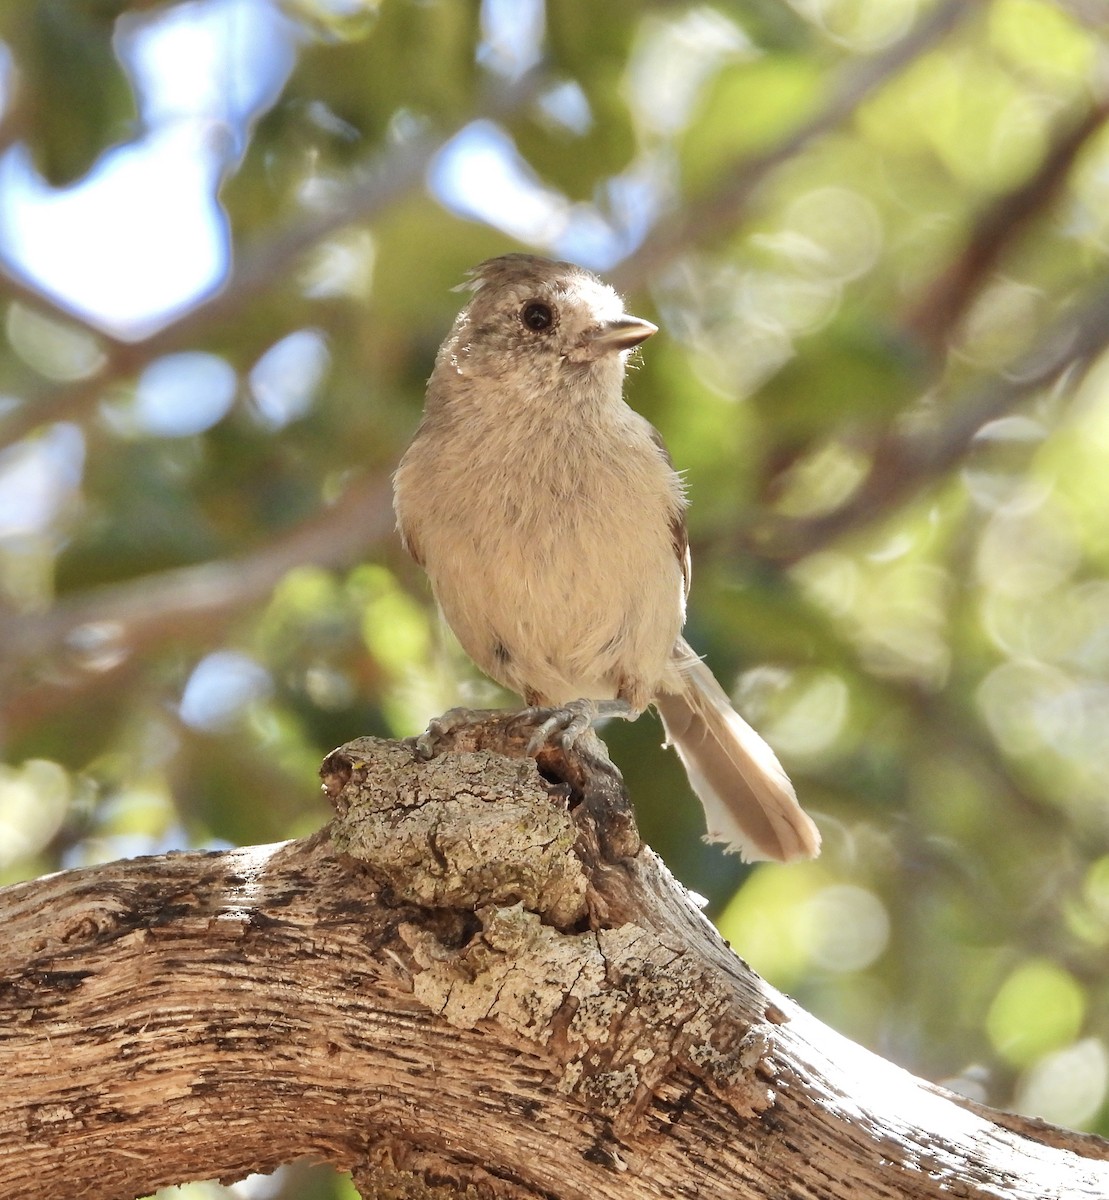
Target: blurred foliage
[[933, 668]]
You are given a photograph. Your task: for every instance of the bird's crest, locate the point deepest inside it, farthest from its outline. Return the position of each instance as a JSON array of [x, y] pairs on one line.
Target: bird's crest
[[510, 267]]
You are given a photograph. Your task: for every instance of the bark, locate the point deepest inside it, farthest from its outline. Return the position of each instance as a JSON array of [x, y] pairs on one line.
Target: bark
[[476, 977]]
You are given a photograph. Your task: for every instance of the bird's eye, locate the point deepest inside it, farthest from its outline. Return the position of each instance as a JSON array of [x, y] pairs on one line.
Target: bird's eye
[[537, 316]]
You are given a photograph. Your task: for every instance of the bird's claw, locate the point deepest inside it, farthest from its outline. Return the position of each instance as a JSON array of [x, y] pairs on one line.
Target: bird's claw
[[427, 744], [562, 725]]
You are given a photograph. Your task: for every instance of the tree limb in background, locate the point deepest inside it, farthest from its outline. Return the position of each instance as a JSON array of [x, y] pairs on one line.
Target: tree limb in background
[[721, 208], [120, 620], [476, 976], [946, 302], [904, 463]]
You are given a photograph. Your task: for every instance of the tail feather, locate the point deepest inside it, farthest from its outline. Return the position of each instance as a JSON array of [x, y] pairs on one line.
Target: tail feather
[[748, 799]]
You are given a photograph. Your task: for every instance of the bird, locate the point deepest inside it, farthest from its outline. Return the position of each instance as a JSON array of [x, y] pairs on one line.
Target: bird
[[550, 520]]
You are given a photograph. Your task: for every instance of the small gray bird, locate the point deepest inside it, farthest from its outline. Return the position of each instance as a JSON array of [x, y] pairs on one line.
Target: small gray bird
[[551, 523]]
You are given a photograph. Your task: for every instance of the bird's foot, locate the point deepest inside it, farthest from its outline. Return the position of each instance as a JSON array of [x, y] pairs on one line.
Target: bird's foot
[[562, 725], [565, 723], [427, 744]]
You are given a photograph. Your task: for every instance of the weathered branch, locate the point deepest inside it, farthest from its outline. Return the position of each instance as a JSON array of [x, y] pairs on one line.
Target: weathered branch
[[476, 974]]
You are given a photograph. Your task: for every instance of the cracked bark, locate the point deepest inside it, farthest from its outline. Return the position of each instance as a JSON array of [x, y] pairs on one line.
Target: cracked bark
[[475, 978]]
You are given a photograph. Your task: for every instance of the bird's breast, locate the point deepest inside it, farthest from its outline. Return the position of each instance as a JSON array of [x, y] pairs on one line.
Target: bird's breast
[[550, 551]]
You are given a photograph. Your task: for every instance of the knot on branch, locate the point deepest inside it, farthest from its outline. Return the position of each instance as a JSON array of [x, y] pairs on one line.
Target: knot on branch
[[459, 831], [557, 954]]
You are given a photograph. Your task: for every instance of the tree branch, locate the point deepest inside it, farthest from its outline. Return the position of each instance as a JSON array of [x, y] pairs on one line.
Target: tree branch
[[901, 464], [942, 307], [476, 974], [125, 618], [721, 207]]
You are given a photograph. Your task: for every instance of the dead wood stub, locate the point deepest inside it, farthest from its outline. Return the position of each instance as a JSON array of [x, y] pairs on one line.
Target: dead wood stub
[[552, 964]]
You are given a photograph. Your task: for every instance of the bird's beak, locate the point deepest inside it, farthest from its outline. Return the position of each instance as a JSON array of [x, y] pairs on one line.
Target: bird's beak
[[620, 334]]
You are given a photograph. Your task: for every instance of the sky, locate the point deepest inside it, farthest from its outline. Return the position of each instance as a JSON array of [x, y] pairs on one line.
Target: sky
[[143, 236]]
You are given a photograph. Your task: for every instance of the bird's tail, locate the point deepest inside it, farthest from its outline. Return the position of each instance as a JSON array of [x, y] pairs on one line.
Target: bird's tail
[[748, 799]]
